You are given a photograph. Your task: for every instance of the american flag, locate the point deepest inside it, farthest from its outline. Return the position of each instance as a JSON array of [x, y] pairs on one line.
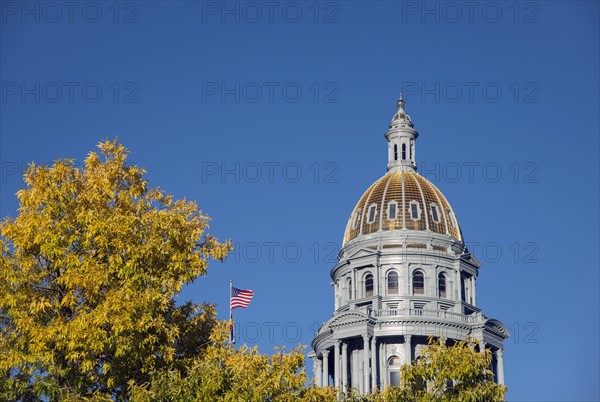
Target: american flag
[[240, 298]]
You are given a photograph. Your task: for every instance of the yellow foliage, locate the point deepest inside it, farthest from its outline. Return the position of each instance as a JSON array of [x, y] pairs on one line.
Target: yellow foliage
[[89, 269]]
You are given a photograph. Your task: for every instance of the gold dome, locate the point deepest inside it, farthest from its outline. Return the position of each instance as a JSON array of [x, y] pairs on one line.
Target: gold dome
[[402, 200]]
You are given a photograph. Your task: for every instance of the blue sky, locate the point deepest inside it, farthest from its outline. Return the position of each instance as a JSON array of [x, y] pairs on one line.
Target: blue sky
[[271, 115]]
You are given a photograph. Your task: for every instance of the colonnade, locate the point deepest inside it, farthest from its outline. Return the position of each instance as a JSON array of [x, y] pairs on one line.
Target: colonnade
[[374, 371]]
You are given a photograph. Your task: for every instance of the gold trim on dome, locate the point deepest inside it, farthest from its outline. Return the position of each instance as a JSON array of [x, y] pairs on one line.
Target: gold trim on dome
[[402, 187]]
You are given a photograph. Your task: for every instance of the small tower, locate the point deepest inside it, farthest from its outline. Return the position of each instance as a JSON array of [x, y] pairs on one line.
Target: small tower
[[403, 274], [401, 138]]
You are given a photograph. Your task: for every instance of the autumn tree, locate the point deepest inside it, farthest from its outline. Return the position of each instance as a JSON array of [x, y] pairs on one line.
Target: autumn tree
[[89, 269], [443, 373], [223, 373]]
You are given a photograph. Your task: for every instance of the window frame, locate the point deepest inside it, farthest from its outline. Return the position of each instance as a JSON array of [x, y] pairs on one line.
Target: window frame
[[414, 274], [395, 203], [442, 276], [372, 207], [418, 209], [387, 281], [435, 217], [356, 219], [393, 369], [451, 219], [372, 291]]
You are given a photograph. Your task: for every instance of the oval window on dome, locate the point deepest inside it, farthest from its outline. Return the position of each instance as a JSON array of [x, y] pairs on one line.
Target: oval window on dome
[[372, 213], [435, 213], [415, 211], [356, 219], [451, 218], [392, 210]]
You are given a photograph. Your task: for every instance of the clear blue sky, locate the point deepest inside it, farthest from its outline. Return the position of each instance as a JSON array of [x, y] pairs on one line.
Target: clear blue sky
[[295, 98]]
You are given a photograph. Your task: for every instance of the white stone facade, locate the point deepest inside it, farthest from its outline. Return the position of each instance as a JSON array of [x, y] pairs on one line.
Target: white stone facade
[[404, 274]]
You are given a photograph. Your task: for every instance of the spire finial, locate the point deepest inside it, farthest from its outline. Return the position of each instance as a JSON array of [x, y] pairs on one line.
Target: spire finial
[[401, 102], [401, 138]]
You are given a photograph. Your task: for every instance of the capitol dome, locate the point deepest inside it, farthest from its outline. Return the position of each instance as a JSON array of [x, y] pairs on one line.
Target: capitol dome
[[402, 200], [403, 275]]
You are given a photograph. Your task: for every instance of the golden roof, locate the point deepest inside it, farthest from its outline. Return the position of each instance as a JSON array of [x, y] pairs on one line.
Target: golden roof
[[388, 205]]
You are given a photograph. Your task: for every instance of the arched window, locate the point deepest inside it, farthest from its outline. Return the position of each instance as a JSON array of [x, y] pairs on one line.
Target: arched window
[[442, 284], [395, 152], [403, 151], [392, 283], [418, 282], [349, 282], [394, 370], [368, 285]]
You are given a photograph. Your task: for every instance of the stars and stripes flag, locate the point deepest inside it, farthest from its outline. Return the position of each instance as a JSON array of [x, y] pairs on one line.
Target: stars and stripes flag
[[240, 298]]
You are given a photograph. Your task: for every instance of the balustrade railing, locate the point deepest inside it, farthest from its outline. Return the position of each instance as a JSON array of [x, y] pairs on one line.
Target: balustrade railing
[[424, 313]]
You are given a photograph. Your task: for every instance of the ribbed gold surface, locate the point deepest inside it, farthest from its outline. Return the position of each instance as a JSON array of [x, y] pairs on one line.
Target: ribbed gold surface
[[402, 188]]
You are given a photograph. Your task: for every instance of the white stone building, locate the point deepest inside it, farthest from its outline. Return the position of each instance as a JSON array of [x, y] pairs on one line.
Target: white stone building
[[404, 274]]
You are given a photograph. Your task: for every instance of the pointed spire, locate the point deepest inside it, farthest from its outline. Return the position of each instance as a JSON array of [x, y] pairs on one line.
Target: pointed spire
[[401, 102], [401, 138], [401, 118]]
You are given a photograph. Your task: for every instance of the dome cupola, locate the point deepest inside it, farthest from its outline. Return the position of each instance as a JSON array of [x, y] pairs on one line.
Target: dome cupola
[[402, 200], [401, 138]]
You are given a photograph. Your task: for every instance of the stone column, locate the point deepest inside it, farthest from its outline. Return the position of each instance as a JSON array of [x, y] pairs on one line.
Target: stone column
[[344, 365], [377, 288], [336, 364], [473, 292], [471, 297], [336, 292], [318, 371], [366, 353], [325, 368], [382, 362], [481, 345], [355, 372], [408, 349], [354, 285], [500, 366], [458, 286], [373, 362]]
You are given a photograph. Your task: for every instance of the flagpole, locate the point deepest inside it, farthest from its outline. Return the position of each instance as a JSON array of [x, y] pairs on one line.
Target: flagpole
[[231, 329]]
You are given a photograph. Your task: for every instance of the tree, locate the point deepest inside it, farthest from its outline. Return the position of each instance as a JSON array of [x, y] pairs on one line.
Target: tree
[[447, 373], [89, 270], [221, 373]]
